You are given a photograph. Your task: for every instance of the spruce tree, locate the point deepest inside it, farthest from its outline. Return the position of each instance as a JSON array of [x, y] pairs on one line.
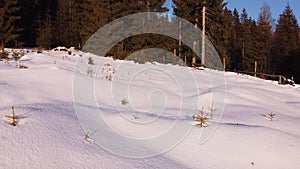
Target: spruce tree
[[68, 20], [94, 15], [265, 25], [8, 17], [248, 42], [286, 39], [235, 45], [45, 34], [218, 20]]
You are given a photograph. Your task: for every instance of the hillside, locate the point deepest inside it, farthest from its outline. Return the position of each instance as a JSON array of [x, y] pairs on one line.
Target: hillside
[[128, 115]]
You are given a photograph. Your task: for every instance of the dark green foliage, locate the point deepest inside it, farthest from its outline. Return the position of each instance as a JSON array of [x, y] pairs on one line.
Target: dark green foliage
[[8, 17], [265, 24], [218, 20], [94, 15], [3, 55], [68, 20], [29, 13], [45, 33], [290, 65], [286, 43]]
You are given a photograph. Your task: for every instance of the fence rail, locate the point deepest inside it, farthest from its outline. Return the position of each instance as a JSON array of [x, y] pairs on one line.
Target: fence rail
[[280, 78]]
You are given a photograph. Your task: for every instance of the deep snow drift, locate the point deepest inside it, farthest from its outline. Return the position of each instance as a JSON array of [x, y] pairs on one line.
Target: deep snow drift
[[49, 134]]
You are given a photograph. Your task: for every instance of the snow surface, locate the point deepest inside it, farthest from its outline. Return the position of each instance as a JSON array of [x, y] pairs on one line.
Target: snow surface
[[50, 135]]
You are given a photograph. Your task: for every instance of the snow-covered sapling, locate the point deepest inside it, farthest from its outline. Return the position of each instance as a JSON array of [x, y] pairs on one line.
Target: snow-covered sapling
[[90, 71], [271, 116], [16, 55], [13, 118], [22, 66], [87, 136], [108, 71], [124, 101], [211, 110], [201, 119], [40, 49], [3, 53], [135, 117], [90, 61]]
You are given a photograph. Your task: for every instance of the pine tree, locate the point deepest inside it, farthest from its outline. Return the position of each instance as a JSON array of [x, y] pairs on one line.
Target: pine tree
[[94, 15], [68, 20], [265, 25], [123, 8], [189, 10], [218, 20], [224, 40], [235, 47], [8, 17], [248, 42], [217, 25], [30, 11], [286, 39], [45, 34], [290, 65]]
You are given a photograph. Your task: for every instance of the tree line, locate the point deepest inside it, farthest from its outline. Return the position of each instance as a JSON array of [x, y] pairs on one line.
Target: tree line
[[239, 39]]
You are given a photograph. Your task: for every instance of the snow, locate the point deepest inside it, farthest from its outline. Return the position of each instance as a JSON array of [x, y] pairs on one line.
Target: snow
[[49, 95]]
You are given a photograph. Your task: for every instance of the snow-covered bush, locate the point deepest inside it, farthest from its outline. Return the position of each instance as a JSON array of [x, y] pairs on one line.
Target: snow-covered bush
[[90, 71], [40, 49], [22, 66], [124, 101], [211, 110], [135, 117], [271, 116], [87, 136], [108, 71], [201, 119], [90, 61], [3, 55]]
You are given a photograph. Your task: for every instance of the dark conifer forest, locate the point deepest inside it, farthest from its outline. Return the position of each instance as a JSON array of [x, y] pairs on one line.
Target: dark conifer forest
[[239, 39]]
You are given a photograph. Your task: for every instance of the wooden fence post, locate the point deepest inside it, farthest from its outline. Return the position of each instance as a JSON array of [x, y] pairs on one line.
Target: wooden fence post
[[224, 63], [255, 68]]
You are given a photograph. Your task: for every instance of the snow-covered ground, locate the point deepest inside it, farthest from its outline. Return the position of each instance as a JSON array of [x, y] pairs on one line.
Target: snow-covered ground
[[50, 134]]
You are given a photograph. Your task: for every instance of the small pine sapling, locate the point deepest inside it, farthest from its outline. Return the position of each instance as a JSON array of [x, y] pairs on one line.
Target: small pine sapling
[[124, 101], [135, 117], [90, 71], [201, 119], [108, 71], [13, 118], [211, 110], [90, 61], [87, 136], [108, 77], [271, 116], [3, 53], [16, 55], [40, 49]]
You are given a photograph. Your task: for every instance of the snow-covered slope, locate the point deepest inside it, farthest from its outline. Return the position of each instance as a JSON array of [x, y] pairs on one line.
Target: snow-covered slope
[[50, 135]]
